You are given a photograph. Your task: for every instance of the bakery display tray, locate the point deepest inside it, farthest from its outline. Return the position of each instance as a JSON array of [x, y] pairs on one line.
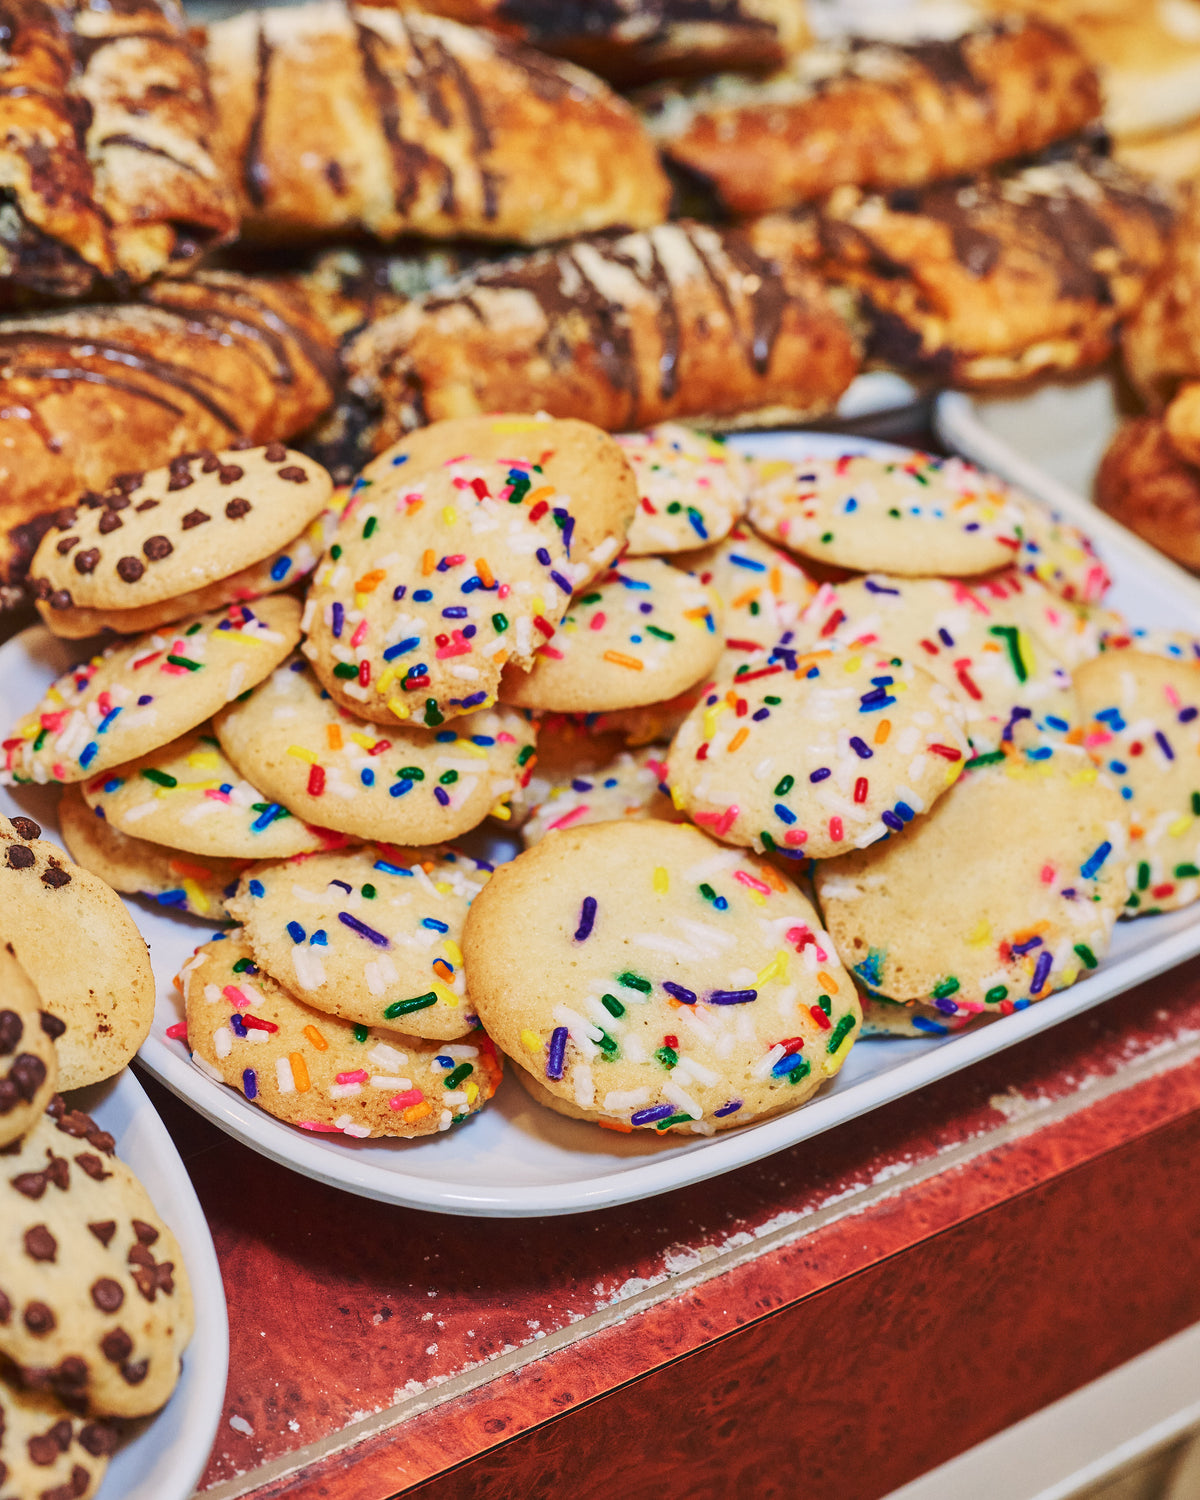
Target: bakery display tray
[[518, 1159]]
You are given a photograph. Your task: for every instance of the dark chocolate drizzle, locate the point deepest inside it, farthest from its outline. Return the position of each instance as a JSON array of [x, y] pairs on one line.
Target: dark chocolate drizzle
[[255, 178]]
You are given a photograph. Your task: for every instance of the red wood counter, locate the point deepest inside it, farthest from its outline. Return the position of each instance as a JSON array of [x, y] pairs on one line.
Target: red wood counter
[[832, 1321]]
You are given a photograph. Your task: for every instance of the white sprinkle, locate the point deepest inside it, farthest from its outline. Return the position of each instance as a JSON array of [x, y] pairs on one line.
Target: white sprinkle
[[223, 1041], [283, 1076]]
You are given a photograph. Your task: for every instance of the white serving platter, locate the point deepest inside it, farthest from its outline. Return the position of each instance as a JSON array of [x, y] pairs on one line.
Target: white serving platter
[[518, 1159], [165, 1454]]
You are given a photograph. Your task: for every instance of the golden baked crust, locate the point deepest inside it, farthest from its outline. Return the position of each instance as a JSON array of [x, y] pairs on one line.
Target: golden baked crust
[[1145, 484], [94, 391], [634, 41], [681, 321], [877, 114], [333, 120], [1160, 342], [104, 124], [1003, 276]]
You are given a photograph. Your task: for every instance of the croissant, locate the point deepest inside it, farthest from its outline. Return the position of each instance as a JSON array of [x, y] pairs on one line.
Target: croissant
[[334, 119], [94, 391], [876, 114], [685, 320], [633, 41], [104, 123]]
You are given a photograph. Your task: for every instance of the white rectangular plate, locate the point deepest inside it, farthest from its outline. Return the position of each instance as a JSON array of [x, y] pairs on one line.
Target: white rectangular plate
[[518, 1159], [166, 1454]]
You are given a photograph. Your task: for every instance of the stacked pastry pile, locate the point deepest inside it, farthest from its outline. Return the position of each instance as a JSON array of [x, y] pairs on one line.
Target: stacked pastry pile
[[95, 1306], [692, 679], [934, 206]]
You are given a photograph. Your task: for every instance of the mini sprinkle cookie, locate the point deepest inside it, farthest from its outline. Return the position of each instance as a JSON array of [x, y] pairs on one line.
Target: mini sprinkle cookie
[[765, 592], [46, 1452], [404, 784], [144, 693], [631, 786], [372, 936], [188, 796], [444, 570], [97, 1303], [194, 883], [28, 1062], [156, 535], [691, 488], [888, 1018], [1143, 726], [280, 571], [87, 961], [1058, 554], [1005, 892], [648, 978], [1074, 632], [838, 752], [914, 516], [1172, 645], [974, 638], [641, 634], [316, 1071]]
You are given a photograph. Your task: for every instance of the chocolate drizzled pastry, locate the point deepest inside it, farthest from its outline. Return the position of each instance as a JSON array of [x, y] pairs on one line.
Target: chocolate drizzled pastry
[[876, 114], [96, 391], [1145, 483], [999, 277], [681, 321], [334, 120], [105, 118], [634, 41]]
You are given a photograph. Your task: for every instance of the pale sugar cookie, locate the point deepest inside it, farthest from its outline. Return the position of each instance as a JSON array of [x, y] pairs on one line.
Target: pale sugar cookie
[[630, 786], [691, 488]]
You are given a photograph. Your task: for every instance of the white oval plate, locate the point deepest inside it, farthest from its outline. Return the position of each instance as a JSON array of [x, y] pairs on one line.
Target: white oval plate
[[166, 1454], [517, 1158]]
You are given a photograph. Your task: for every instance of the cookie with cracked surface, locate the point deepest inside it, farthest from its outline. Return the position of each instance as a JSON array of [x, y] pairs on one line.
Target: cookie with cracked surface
[[177, 528], [88, 962], [845, 749], [1142, 715], [28, 1062], [643, 633], [914, 516], [46, 1452], [96, 1300], [188, 796], [170, 878], [317, 1071], [142, 694], [691, 489], [370, 935], [1004, 893], [647, 977], [405, 784]]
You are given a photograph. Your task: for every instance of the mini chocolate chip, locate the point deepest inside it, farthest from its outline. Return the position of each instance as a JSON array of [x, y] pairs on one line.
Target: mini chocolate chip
[[9, 1096], [130, 569], [51, 1025], [135, 1372], [295, 473], [47, 1446], [97, 1439], [65, 517], [104, 1229], [275, 453], [147, 505], [80, 1483], [195, 518], [92, 1165], [240, 445], [28, 1073], [41, 588], [210, 461], [116, 501], [61, 599], [157, 547], [140, 1256], [40, 1244], [39, 1319], [237, 508], [65, 543], [20, 858], [55, 877], [116, 1345], [30, 1184], [110, 521], [12, 1029], [70, 1376], [91, 499], [107, 1294], [180, 479], [26, 828], [127, 483], [85, 561], [230, 473], [146, 1233]]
